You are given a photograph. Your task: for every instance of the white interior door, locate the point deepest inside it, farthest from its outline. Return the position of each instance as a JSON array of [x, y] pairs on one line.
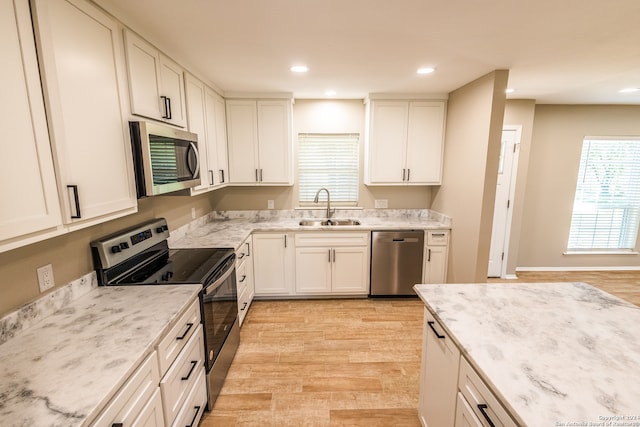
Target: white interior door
[[503, 205]]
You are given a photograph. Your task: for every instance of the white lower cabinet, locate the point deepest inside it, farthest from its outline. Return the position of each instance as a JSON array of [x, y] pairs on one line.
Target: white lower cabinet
[[244, 278], [194, 405], [273, 264], [451, 392], [332, 263], [438, 375], [435, 257], [137, 400]]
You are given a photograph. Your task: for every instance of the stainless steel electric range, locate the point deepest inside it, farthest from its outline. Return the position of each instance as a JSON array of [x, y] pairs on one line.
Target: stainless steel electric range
[[141, 256]]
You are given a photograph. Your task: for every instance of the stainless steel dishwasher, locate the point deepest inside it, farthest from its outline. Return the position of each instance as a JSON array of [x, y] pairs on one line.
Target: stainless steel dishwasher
[[396, 262]]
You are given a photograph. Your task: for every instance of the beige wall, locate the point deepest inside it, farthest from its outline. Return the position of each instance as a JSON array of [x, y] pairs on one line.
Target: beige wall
[[70, 255], [558, 132], [323, 116], [519, 113], [472, 143]]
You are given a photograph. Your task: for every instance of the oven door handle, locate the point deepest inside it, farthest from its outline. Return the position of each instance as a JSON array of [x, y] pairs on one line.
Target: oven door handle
[[210, 288]]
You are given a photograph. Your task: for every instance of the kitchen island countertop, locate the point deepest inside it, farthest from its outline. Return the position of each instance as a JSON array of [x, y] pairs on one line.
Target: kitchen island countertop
[[64, 369], [554, 354]]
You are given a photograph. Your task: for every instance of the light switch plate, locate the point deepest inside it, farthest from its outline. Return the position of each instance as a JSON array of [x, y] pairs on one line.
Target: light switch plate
[[381, 203], [45, 277]]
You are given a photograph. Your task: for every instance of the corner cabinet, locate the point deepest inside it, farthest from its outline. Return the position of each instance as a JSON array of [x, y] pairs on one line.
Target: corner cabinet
[[206, 117], [436, 250], [332, 263], [156, 82], [404, 142], [259, 141], [30, 209], [84, 80], [273, 264]]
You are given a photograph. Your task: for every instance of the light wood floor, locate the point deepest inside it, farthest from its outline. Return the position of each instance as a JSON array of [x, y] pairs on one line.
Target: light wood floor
[[344, 362]]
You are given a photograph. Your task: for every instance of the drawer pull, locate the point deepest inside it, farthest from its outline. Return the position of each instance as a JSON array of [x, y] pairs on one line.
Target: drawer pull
[[482, 408], [437, 234], [117, 425], [189, 326], [244, 276], [242, 255], [194, 363], [244, 306], [441, 337], [197, 408]]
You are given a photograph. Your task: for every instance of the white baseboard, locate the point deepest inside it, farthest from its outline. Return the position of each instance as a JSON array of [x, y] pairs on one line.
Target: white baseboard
[[608, 268]]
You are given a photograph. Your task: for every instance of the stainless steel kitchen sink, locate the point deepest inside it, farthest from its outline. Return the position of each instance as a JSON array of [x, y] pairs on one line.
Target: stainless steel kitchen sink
[[329, 222]]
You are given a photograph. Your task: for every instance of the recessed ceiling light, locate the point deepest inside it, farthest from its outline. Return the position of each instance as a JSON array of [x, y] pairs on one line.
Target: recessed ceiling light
[[510, 90], [629, 90], [330, 93], [426, 70], [299, 69]]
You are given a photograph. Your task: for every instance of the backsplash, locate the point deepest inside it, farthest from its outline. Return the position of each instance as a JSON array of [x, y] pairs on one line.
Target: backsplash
[[35, 311], [272, 214]]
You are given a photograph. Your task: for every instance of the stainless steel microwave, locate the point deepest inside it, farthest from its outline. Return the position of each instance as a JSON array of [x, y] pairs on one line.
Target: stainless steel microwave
[[165, 159]]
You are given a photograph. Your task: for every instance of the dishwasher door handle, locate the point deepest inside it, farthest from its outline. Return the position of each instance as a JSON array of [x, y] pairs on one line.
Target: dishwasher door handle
[[401, 240]]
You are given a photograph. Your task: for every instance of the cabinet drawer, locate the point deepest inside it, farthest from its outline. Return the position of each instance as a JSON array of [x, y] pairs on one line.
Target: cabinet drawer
[[435, 238], [243, 253], [481, 400], [332, 239], [241, 277], [178, 335], [151, 415], [244, 301], [464, 414], [182, 375], [131, 399], [194, 405]]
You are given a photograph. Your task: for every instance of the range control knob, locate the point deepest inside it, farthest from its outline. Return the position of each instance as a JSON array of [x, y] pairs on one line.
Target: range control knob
[[166, 276], [124, 245], [115, 249], [162, 228]]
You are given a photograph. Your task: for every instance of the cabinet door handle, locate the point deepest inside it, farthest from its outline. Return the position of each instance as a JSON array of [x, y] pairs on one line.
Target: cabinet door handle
[[482, 408], [440, 337], [181, 337], [242, 255], [197, 408], [169, 115], [248, 249], [329, 250], [194, 363], [404, 173], [408, 175], [76, 200], [285, 240], [334, 255], [165, 115], [257, 176], [428, 255], [210, 177], [221, 175]]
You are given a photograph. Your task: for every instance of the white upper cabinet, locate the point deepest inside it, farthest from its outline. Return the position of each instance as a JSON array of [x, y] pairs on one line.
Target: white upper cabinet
[[259, 141], [85, 96], [206, 114], [156, 83], [404, 144], [30, 203]]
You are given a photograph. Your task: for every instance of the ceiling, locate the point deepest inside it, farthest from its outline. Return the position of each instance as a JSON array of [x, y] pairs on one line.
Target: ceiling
[[557, 51]]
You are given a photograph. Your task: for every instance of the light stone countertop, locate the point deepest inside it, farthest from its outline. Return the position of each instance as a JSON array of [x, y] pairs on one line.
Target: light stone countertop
[[553, 353], [64, 369], [230, 229]]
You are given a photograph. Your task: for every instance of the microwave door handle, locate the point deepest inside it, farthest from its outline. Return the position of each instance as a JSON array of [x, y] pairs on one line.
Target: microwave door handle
[[195, 171]]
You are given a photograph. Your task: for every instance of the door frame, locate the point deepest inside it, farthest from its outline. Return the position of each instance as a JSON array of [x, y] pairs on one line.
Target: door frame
[[512, 190]]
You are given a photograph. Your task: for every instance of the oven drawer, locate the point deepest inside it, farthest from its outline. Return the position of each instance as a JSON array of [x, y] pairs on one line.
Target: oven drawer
[[182, 375], [177, 337]]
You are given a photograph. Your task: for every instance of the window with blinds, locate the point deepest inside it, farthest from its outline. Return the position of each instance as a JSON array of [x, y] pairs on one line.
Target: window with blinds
[[329, 161], [606, 209]]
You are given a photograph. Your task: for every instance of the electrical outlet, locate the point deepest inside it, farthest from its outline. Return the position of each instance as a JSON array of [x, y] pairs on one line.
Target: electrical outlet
[[270, 204], [381, 203], [193, 213], [45, 277]]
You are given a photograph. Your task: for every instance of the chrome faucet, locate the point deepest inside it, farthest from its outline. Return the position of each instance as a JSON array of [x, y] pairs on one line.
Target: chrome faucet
[[315, 200]]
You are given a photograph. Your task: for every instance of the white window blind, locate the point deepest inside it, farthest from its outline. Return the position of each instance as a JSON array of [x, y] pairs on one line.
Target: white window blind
[[606, 209], [330, 161]]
